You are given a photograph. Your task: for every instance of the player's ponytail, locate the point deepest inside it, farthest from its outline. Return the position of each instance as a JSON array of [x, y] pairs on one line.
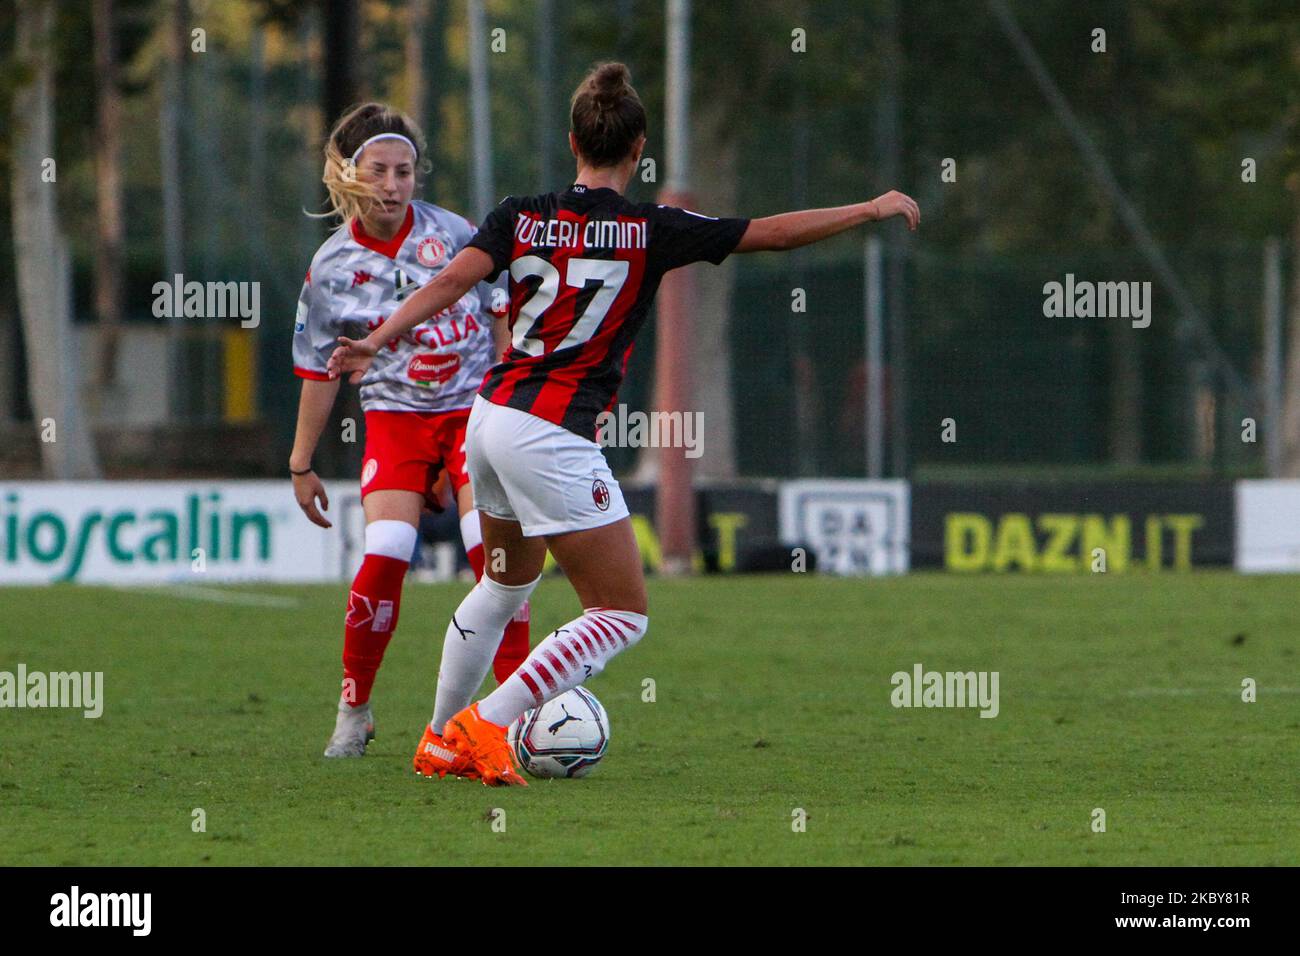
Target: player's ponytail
[[606, 115], [349, 195]]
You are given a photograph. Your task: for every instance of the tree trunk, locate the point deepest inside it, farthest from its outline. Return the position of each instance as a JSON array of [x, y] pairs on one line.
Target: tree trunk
[[1125, 394], [40, 254], [803, 383], [1124, 436], [8, 362], [170, 103], [417, 18], [342, 26], [108, 196], [342, 89], [1291, 387], [712, 392], [547, 132]]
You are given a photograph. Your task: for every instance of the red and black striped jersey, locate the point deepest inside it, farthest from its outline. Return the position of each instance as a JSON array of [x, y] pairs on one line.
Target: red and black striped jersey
[[584, 266]]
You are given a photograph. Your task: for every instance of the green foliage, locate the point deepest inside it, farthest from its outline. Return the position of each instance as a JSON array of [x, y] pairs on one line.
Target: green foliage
[[1184, 91]]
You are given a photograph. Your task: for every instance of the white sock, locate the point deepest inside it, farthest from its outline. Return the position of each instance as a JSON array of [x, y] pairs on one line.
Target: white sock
[[471, 532], [392, 539], [473, 637], [569, 656]]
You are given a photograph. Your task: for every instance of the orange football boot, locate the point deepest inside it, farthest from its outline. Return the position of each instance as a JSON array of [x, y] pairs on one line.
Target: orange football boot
[[435, 758], [484, 744]]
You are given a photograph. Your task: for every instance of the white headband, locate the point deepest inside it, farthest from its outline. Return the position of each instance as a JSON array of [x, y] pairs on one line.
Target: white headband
[[379, 136]]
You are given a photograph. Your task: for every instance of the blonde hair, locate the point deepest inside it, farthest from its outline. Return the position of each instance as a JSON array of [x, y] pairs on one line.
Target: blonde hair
[[351, 197]]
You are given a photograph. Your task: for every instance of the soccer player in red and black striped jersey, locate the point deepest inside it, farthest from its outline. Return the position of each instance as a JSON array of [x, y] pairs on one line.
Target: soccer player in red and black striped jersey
[[584, 265]]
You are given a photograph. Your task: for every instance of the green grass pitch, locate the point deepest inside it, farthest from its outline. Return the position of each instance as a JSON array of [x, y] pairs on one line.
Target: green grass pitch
[[772, 693]]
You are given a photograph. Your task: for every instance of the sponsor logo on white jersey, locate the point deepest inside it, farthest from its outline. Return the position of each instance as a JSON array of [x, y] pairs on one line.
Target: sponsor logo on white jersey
[[433, 367]]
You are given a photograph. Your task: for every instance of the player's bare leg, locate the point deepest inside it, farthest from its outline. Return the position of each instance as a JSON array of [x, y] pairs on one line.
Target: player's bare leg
[[604, 567], [513, 565], [373, 603], [511, 558]]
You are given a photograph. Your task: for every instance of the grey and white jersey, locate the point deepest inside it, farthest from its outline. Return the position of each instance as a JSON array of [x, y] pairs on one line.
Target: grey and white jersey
[[357, 281]]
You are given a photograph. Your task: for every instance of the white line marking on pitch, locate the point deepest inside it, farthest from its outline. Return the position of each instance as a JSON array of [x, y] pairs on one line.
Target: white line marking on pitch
[[195, 592]]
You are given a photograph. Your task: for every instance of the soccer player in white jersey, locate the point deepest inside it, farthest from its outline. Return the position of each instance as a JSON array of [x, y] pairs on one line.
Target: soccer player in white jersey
[[584, 265], [416, 396]]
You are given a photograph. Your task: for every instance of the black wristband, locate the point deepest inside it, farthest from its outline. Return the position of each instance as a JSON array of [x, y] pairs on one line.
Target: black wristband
[[300, 473]]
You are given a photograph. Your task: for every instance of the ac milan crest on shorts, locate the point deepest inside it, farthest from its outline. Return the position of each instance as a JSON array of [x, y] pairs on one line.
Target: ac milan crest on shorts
[[600, 494]]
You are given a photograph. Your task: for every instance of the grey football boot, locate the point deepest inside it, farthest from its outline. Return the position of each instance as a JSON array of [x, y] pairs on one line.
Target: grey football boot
[[354, 728]]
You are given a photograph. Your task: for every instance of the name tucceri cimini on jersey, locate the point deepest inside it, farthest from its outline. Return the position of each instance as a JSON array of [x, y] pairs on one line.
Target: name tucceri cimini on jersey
[[75, 908], [568, 234]]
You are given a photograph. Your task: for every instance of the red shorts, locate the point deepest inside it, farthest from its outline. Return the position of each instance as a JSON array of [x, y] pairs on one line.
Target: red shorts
[[405, 450]]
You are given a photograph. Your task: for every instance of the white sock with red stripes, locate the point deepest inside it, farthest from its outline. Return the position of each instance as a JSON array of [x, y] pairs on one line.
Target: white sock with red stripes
[[569, 656], [472, 639]]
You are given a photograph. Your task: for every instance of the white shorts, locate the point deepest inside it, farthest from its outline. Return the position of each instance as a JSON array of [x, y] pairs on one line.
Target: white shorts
[[526, 469]]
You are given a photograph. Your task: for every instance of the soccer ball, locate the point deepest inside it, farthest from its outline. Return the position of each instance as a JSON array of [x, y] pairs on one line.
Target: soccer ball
[[565, 737]]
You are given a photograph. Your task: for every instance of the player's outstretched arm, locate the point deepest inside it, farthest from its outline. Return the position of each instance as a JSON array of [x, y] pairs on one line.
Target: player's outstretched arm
[[470, 267], [790, 230]]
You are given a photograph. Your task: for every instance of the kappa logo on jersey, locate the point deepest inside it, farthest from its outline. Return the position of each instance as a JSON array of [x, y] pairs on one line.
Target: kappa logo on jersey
[[368, 471], [403, 285], [433, 367], [360, 277], [430, 251], [600, 494]]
